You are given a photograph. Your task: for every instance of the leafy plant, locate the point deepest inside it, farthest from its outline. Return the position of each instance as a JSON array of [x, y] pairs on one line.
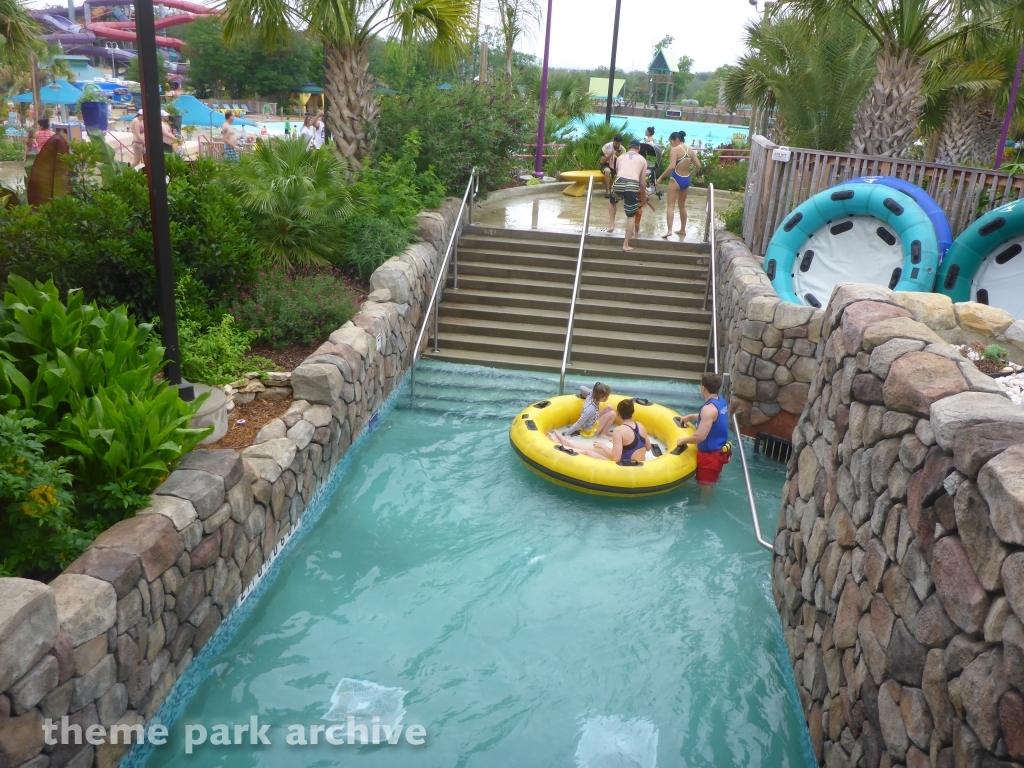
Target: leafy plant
[[995, 354], [297, 200], [36, 507], [49, 177], [732, 218], [12, 151], [218, 355], [302, 307], [583, 147]]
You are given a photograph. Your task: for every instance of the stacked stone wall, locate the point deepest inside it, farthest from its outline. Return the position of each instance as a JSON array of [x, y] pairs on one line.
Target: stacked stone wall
[[770, 347], [898, 567], [104, 642]]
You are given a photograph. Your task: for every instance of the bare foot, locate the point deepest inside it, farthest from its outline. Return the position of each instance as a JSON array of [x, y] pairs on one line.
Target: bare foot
[[610, 231], [667, 235], [626, 248], [560, 439], [680, 232]]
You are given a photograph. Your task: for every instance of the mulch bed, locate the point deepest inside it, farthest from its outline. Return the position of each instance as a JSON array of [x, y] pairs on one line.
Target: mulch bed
[[256, 415], [286, 358]]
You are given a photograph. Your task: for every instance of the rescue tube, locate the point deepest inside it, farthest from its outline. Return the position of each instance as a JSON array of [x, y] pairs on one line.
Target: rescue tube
[[937, 216], [985, 262], [852, 233], [662, 470]]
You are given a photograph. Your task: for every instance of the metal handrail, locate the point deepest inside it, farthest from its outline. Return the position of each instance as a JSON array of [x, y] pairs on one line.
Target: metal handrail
[[750, 490], [711, 287], [472, 188], [567, 352]]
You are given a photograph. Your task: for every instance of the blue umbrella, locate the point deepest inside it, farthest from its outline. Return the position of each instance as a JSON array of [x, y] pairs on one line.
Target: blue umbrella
[[57, 92], [445, 87]]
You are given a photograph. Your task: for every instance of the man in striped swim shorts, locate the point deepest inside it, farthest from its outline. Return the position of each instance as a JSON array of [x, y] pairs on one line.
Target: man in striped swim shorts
[[630, 169]]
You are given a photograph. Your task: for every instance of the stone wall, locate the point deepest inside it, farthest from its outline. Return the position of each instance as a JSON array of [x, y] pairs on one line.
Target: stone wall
[[106, 640], [898, 567], [770, 347]]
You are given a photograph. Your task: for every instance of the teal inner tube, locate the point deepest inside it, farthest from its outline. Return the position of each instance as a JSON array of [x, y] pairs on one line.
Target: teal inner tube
[[985, 264], [852, 233]]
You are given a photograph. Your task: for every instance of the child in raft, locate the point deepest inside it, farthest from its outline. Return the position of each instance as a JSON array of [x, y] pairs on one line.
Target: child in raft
[[594, 421]]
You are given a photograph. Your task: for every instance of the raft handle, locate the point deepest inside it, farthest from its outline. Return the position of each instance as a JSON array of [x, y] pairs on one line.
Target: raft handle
[[678, 450], [530, 425], [993, 226], [568, 451], [846, 194], [951, 276], [630, 463], [641, 401], [542, 404], [656, 450]]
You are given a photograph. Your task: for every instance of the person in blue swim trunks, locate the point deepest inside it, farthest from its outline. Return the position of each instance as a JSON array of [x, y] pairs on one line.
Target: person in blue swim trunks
[[683, 162]]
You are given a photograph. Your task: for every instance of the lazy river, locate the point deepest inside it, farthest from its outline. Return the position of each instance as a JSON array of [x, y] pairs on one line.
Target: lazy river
[[527, 624]]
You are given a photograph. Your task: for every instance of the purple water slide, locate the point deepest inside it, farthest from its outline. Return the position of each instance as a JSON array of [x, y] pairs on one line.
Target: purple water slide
[[104, 53]]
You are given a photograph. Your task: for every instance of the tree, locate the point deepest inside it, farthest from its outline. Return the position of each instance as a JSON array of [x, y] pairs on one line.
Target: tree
[[514, 17], [665, 42], [909, 33], [244, 69], [345, 28], [684, 77], [18, 33], [132, 71]]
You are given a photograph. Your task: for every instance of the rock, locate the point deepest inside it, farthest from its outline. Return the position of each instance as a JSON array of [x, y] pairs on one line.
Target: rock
[[890, 721], [847, 616], [932, 627], [918, 379], [933, 309], [916, 716], [178, 511], [981, 686], [904, 656], [976, 445], [898, 328], [152, 538], [966, 749], [873, 653], [935, 693], [883, 357], [1013, 651], [960, 652], [93, 683], [86, 606], [112, 704], [89, 654], [56, 703], [34, 685], [28, 626], [804, 369], [129, 611], [955, 414], [190, 594], [868, 388], [791, 315], [793, 397], [204, 489], [206, 629], [1001, 482], [21, 738], [128, 656], [982, 319], [301, 434], [985, 551], [1011, 719], [859, 316], [962, 594], [380, 296], [996, 620], [281, 451], [317, 383], [272, 430], [1013, 581], [224, 462], [64, 653], [926, 485]]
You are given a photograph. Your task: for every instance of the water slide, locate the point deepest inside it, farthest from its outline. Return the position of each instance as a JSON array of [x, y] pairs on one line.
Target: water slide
[[74, 35]]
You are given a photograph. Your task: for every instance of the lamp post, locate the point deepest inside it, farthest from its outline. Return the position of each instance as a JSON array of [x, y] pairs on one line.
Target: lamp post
[[1009, 111], [156, 171], [538, 166], [611, 74]]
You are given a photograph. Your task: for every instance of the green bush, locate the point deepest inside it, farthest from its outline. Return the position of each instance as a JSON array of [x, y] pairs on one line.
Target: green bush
[[583, 149], [88, 377], [100, 240], [219, 354], [732, 218], [12, 151], [36, 508], [303, 307], [462, 128]]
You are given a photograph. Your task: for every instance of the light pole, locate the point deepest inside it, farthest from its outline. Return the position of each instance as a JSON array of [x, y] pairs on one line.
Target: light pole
[[611, 74], [1009, 112], [538, 167]]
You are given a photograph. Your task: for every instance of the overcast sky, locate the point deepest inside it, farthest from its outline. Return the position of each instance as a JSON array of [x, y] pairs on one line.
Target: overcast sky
[[708, 31]]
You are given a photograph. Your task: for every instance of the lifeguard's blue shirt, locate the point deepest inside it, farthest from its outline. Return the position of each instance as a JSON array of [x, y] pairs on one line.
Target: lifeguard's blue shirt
[[719, 434]]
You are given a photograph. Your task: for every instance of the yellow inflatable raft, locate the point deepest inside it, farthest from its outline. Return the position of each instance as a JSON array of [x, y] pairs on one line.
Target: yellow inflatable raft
[[664, 468]]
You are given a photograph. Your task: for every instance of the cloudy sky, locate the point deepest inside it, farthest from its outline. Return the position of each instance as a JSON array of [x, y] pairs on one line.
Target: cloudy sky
[[708, 31]]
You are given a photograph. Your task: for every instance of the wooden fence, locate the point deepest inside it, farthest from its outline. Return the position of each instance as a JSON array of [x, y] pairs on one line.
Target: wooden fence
[[775, 188]]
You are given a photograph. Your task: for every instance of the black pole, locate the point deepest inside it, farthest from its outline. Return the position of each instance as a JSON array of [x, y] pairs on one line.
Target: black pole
[[156, 170], [611, 78]]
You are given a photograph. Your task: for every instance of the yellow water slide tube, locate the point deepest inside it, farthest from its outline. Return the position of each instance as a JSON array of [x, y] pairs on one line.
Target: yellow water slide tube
[[662, 470]]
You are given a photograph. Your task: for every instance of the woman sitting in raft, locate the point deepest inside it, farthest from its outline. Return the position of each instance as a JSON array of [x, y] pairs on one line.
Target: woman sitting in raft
[[628, 439]]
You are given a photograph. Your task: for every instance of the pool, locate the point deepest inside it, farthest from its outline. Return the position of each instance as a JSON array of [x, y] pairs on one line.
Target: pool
[[707, 133], [528, 624]]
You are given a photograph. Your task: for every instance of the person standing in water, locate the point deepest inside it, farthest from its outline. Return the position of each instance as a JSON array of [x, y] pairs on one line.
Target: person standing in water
[[682, 163], [712, 436], [630, 168]]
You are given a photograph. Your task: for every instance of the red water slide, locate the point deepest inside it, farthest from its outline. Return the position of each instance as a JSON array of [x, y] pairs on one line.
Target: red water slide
[[124, 30]]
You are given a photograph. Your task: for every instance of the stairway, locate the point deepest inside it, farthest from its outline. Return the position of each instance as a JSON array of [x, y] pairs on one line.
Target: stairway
[[638, 314]]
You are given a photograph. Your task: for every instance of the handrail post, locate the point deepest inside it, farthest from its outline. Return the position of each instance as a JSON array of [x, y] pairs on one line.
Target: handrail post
[[750, 490], [710, 287], [567, 352]]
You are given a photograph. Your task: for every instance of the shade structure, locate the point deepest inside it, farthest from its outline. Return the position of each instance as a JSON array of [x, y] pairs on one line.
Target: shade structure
[[194, 112], [445, 87], [599, 87], [308, 88], [57, 92]]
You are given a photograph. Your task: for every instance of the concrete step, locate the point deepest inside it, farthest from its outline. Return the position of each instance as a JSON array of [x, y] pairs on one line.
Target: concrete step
[[594, 248], [513, 275], [597, 312], [544, 262], [534, 287], [697, 326], [650, 292], [595, 236]]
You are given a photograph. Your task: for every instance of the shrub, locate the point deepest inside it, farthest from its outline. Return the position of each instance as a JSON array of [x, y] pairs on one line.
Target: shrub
[[583, 149], [732, 218], [36, 507], [12, 151], [88, 377], [482, 126], [303, 307], [100, 240], [297, 200]]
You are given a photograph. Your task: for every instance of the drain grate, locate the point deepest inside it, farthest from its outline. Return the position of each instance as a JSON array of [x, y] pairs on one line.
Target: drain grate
[[772, 447]]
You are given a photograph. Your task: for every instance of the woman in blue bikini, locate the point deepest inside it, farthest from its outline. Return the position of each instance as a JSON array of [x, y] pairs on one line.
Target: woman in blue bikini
[[682, 163]]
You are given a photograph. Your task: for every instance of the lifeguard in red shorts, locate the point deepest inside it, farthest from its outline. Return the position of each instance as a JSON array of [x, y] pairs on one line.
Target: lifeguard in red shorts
[[712, 436]]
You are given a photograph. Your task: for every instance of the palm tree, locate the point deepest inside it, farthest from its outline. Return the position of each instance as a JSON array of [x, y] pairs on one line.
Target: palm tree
[[345, 28], [909, 33], [298, 200], [812, 83], [17, 32], [514, 16]]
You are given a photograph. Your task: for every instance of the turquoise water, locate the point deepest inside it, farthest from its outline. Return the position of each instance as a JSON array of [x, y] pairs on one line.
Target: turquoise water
[[520, 617], [707, 133]]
